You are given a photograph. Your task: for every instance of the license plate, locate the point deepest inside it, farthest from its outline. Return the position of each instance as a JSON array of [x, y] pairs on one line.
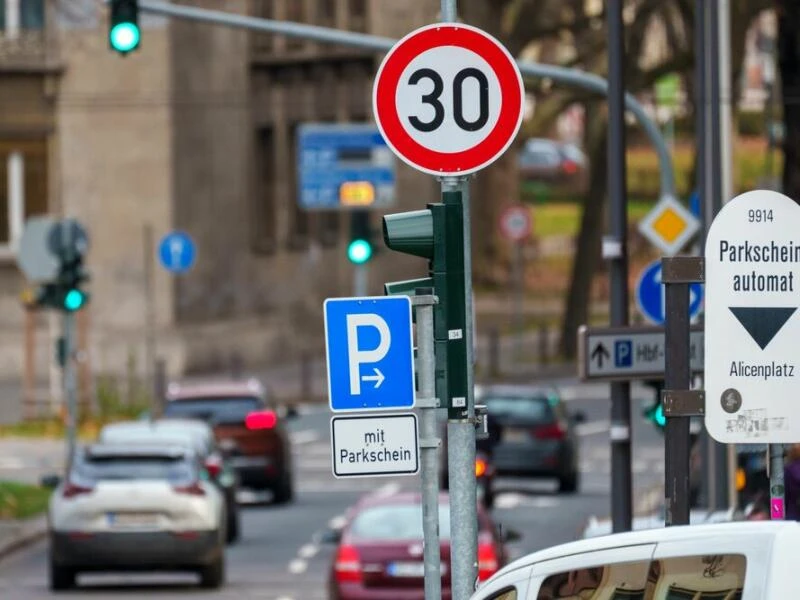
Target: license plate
[[248, 461], [134, 520], [515, 435], [406, 569]]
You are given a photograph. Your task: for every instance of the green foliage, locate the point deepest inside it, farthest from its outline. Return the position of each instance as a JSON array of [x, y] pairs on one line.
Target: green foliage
[[20, 501]]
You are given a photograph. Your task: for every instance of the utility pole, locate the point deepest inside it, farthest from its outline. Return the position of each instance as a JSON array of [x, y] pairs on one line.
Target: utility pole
[[616, 250]]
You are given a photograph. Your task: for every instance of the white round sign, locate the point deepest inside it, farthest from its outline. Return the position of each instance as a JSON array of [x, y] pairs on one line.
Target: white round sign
[[448, 99], [515, 223]]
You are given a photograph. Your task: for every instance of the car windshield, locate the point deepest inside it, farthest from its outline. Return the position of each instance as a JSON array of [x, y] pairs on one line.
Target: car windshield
[[534, 408], [396, 522], [120, 468], [213, 409]]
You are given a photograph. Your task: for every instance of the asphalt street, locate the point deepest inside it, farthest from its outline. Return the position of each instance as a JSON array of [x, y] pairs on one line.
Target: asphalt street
[[280, 556]]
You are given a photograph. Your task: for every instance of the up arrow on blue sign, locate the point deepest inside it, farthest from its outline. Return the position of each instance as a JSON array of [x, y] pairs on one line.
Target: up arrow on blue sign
[[370, 353], [650, 295]]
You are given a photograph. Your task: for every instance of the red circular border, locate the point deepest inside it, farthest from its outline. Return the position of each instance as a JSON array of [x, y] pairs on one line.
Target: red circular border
[[388, 79], [512, 210]]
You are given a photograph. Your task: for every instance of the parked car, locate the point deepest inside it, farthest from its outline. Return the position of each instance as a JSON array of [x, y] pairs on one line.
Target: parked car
[[732, 561], [553, 162], [200, 438], [136, 508], [246, 426], [535, 433], [379, 549]]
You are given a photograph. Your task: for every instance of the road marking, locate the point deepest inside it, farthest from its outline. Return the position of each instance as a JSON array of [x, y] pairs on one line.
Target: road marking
[[586, 429], [307, 551], [298, 566], [305, 436]]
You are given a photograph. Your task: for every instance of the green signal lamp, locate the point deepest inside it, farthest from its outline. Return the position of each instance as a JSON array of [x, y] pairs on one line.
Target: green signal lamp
[[656, 414], [359, 251], [74, 300], [124, 37]]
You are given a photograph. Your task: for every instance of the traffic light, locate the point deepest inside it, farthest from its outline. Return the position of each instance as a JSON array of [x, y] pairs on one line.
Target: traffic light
[[71, 297], [360, 248], [123, 29], [655, 412], [437, 234]]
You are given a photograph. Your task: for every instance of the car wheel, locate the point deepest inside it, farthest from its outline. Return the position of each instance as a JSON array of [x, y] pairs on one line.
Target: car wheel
[[61, 578], [569, 483], [232, 528], [213, 576], [284, 491]]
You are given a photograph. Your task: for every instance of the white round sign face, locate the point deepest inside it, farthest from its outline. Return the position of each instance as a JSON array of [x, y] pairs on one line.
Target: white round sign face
[[448, 99], [515, 223]]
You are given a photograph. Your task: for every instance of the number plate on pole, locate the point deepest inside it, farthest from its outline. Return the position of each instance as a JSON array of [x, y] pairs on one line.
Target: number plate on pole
[[448, 99]]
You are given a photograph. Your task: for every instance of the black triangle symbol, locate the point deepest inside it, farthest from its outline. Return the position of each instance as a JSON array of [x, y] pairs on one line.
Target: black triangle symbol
[[762, 322]]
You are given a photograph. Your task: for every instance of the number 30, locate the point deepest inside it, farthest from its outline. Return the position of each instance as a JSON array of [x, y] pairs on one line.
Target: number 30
[[458, 99]]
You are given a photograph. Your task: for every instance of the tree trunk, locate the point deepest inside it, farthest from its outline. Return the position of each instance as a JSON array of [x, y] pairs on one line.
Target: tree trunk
[[789, 68], [589, 238]]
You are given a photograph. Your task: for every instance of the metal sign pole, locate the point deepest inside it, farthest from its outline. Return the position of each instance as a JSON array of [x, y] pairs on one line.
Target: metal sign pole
[[777, 511], [427, 402], [519, 293], [360, 280], [680, 403], [70, 389], [621, 477]]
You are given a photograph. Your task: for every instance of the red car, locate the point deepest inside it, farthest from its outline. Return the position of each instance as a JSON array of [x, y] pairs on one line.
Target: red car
[[379, 551]]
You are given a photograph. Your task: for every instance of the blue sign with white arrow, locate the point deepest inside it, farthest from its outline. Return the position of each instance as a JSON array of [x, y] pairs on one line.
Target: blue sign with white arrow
[[177, 252], [650, 295], [370, 353]]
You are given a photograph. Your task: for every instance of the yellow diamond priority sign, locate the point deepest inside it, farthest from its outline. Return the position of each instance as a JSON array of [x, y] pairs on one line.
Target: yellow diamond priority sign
[[669, 226]]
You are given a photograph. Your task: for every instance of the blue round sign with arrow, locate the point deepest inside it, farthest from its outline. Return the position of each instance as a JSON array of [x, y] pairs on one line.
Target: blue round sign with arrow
[[177, 252], [650, 295]]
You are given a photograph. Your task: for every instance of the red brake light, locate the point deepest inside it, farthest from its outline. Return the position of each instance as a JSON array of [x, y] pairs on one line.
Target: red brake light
[[213, 465], [71, 490], [570, 168], [193, 489], [347, 567], [549, 432], [266, 419], [487, 561]]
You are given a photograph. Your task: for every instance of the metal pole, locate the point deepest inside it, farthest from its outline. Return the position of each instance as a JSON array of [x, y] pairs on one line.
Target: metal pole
[[777, 511], [429, 442], [677, 376], [70, 389], [360, 280], [574, 77], [519, 293], [621, 479], [150, 309]]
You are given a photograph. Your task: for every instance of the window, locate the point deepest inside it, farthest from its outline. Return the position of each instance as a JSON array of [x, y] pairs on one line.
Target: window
[[299, 223], [176, 470], [357, 10], [397, 522], [327, 12], [621, 581], [715, 577], [27, 14], [532, 408], [213, 409], [264, 233], [28, 159], [507, 594], [296, 13]]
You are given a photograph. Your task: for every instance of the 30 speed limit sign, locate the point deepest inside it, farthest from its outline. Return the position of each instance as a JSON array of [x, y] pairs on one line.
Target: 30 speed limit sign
[[448, 99]]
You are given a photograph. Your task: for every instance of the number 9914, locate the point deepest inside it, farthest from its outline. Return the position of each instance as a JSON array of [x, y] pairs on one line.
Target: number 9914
[[759, 215]]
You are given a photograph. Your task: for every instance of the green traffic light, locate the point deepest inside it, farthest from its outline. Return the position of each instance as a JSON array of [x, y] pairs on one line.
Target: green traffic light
[[74, 300], [359, 251], [659, 417], [124, 37]]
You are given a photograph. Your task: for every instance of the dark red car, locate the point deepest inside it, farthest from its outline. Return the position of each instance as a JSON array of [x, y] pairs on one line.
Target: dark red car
[[379, 550], [247, 428]]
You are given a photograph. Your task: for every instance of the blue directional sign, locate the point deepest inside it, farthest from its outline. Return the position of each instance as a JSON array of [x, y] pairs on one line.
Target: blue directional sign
[[694, 204], [177, 252], [344, 166], [650, 295], [370, 353]]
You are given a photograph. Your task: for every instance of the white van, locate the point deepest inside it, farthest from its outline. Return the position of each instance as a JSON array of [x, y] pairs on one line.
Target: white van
[[726, 561]]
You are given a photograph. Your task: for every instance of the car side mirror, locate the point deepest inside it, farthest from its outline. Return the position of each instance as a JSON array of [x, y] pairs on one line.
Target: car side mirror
[[50, 481], [510, 535], [331, 536], [579, 417]]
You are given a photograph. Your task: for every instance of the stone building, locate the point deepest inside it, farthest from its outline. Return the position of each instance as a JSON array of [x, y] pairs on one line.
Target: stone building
[[193, 131]]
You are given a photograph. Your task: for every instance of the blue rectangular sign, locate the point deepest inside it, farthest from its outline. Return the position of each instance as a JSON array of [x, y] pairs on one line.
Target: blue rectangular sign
[[370, 353], [344, 166]]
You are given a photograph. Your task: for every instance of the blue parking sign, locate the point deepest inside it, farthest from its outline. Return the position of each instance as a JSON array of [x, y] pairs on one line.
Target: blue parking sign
[[370, 353]]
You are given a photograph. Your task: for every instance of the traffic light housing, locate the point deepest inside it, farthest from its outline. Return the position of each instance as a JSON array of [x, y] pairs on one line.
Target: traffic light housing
[[360, 248], [655, 412], [124, 34]]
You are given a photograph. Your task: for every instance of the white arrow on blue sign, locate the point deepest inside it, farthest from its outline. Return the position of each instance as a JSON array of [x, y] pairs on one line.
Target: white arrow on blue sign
[[177, 252], [650, 295], [370, 353]]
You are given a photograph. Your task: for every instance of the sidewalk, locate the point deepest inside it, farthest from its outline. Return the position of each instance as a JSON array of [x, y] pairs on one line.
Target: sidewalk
[[15, 535]]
